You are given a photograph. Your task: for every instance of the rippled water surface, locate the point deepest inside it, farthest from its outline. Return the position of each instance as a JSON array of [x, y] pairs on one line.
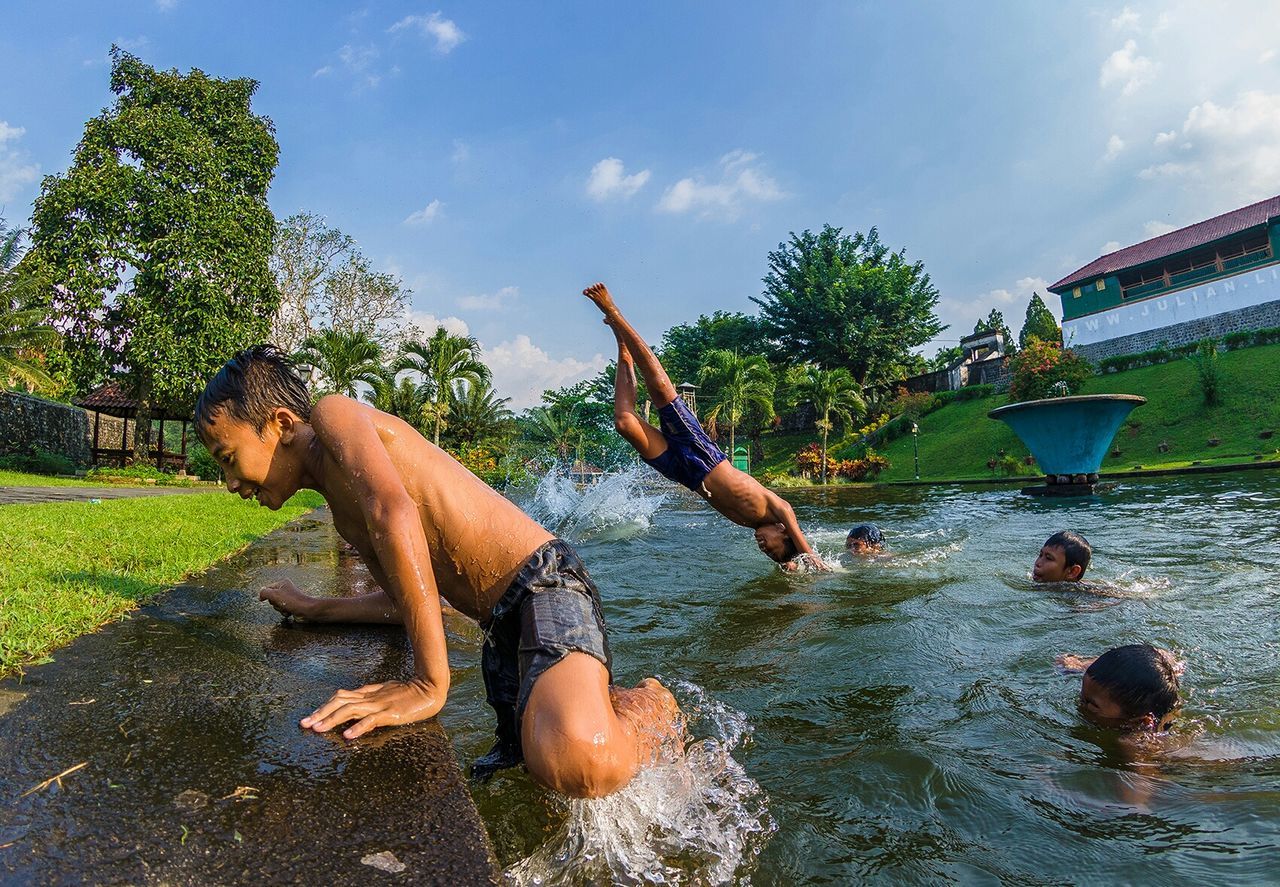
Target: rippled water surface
[[901, 720]]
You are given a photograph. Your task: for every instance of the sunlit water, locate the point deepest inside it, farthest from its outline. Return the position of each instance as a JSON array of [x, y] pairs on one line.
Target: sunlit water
[[901, 720]]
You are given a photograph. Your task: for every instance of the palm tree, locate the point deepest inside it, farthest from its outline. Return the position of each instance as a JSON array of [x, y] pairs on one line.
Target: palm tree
[[743, 383], [477, 412], [402, 398], [443, 360], [343, 358], [24, 333], [834, 395], [554, 427]]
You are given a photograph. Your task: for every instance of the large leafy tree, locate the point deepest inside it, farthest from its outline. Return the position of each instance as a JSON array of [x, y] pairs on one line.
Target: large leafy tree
[[156, 240], [685, 346], [1039, 324], [848, 301], [835, 397], [342, 359], [442, 361], [743, 383]]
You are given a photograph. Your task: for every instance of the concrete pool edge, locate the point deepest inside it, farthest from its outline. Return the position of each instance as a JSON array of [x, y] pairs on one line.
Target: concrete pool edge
[[163, 725]]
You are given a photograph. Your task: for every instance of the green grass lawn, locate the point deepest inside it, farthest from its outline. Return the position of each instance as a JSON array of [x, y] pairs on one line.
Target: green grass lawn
[[69, 567], [25, 479], [957, 440]]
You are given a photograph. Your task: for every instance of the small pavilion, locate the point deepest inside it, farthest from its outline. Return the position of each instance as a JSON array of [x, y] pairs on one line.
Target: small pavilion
[[114, 399], [689, 394]]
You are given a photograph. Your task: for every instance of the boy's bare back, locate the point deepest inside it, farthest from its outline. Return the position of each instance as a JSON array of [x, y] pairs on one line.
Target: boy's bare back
[[478, 540]]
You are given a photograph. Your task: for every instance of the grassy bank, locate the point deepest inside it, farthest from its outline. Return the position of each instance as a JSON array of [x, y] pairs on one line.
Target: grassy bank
[[69, 567], [957, 440], [25, 479]]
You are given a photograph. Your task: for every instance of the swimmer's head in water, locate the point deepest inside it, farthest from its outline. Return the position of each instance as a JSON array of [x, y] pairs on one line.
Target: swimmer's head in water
[[1063, 558], [1134, 687], [776, 543], [864, 539]]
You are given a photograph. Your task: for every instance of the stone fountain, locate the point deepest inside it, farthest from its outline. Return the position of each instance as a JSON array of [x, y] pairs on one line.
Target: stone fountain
[[1068, 436]]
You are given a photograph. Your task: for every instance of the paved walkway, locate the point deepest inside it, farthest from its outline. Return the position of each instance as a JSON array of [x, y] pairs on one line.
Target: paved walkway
[[165, 749], [22, 495]]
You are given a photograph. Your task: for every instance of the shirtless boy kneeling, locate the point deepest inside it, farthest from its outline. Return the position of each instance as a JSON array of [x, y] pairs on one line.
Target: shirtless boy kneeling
[[426, 527], [681, 451]]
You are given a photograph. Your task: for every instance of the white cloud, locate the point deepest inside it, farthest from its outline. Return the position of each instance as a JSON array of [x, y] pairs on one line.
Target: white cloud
[[443, 31], [428, 323], [1127, 67], [1155, 228], [609, 179], [1115, 145], [1166, 138], [1266, 55], [490, 301], [425, 215], [1232, 150], [522, 370], [1110, 246], [741, 181], [1127, 19], [358, 63], [15, 172], [166, 5]]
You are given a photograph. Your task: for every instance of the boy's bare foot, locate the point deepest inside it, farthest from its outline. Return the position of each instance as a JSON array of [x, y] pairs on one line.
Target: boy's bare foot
[[654, 717], [599, 293]]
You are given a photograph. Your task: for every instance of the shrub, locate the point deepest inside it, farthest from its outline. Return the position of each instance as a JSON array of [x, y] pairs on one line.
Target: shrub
[[973, 392], [482, 461], [1042, 365], [1208, 373], [809, 461], [201, 463], [913, 406], [1011, 465], [38, 460]]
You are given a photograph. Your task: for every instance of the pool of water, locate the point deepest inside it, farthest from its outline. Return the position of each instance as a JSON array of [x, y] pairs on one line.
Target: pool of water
[[901, 719]]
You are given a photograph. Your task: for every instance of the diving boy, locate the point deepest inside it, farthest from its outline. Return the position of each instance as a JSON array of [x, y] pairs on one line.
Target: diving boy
[[1063, 558], [681, 451], [1132, 688], [427, 528]]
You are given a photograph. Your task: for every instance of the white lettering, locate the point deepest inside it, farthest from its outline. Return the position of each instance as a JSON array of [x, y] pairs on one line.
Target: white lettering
[[1181, 304], [1163, 304], [1092, 324], [1257, 275], [1146, 309], [1228, 286], [1210, 292]]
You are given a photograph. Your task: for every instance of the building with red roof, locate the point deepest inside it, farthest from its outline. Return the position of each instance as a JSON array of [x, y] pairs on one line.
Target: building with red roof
[[1203, 281]]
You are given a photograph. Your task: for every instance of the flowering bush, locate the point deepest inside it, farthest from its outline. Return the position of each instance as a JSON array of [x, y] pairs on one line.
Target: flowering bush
[[1041, 366], [809, 461]]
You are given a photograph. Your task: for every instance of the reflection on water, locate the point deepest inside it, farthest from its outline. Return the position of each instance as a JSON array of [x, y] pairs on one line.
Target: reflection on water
[[908, 722]]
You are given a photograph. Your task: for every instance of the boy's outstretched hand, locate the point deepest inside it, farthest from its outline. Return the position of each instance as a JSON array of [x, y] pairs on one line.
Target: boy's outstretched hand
[[376, 705]]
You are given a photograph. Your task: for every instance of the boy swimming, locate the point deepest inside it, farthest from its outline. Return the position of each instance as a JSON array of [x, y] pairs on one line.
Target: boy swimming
[[427, 528], [681, 451], [864, 539], [1132, 688], [1063, 558]]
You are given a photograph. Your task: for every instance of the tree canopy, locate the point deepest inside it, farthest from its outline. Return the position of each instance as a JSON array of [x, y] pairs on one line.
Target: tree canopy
[[848, 301], [1039, 323], [156, 240], [685, 346]]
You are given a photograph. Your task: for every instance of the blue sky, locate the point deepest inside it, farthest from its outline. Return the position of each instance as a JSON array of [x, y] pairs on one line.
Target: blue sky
[[500, 156]]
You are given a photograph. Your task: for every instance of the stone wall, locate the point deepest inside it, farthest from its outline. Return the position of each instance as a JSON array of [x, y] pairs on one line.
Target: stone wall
[[28, 422], [1253, 317]]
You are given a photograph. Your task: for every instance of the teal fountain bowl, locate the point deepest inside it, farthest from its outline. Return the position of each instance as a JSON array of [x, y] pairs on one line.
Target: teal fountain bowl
[[1069, 435]]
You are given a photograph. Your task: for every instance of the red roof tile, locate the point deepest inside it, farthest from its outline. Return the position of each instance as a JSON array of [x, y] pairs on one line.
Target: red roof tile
[[1175, 241]]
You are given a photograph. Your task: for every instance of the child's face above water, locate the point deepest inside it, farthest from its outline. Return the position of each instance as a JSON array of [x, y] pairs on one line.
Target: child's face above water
[[250, 460], [1051, 566]]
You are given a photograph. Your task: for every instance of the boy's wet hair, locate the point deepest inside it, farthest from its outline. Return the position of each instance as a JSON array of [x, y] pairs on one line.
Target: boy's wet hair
[[250, 386], [1075, 547], [1139, 677], [868, 533], [792, 551]]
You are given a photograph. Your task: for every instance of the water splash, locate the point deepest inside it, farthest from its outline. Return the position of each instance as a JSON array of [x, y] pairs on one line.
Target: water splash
[[696, 818], [619, 506]]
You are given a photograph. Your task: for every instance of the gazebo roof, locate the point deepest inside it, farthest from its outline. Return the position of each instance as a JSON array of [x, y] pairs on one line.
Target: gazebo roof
[[585, 468], [115, 399]]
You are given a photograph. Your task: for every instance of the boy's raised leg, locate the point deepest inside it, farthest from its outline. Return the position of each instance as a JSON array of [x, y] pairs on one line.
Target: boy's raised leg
[[585, 742], [647, 440], [655, 377]]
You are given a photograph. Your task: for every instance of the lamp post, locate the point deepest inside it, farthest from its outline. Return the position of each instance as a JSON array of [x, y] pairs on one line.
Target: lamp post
[[915, 440]]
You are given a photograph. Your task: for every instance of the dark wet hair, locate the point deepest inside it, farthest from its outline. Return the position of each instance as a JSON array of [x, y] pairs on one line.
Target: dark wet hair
[[250, 386], [1139, 677], [868, 533], [1074, 546], [791, 551]]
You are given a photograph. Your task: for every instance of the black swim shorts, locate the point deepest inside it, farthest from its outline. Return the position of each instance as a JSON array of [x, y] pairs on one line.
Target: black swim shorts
[[551, 609], [690, 454]]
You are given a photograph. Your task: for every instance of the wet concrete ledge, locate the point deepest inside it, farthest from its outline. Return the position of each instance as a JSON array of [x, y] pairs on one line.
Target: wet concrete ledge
[[165, 749]]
